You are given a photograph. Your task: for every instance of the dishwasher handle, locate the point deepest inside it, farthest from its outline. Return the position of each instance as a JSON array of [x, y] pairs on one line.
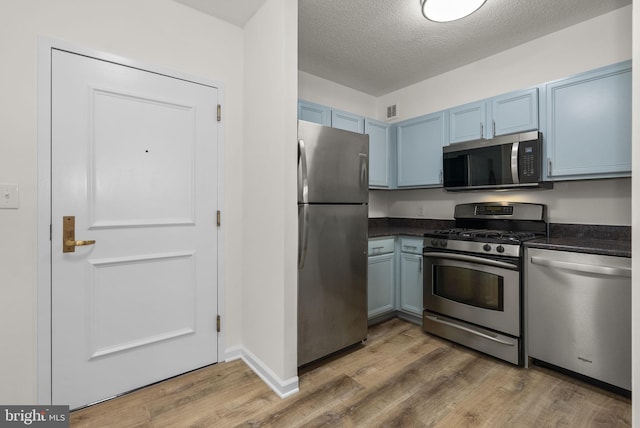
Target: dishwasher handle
[[582, 267]]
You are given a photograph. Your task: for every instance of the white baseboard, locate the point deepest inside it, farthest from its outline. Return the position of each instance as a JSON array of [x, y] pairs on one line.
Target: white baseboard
[[284, 388]]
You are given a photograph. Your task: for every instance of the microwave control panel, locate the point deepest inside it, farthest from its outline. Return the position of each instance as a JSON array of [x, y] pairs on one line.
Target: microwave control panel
[[529, 161]]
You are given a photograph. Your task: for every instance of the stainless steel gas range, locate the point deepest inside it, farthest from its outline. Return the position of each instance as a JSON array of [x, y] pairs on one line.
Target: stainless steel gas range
[[473, 292]]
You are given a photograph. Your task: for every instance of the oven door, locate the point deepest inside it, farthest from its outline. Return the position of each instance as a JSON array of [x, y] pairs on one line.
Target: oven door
[[478, 290]]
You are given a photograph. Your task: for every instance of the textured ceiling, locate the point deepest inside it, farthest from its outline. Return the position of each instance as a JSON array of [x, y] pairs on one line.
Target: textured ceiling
[[377, 46]]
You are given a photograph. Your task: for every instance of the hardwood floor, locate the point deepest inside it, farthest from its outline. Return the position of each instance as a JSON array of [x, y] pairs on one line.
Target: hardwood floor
[[402, 377]]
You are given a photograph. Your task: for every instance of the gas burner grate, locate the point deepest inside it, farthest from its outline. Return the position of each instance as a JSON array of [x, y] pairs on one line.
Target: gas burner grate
[[482, 235]]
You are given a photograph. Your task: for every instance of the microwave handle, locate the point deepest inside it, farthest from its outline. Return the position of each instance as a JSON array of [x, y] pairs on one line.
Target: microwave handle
[[515, 176]]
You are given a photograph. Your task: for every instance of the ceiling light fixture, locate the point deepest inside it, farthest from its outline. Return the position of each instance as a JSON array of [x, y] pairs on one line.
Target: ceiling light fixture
[[449, 10]]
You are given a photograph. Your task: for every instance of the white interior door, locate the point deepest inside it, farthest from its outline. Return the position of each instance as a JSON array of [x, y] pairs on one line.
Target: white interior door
[[134, 158]]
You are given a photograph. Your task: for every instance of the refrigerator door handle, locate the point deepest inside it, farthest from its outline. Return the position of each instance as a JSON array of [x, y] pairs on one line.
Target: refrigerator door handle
[[364, 176], [304, 236], [303, 178]]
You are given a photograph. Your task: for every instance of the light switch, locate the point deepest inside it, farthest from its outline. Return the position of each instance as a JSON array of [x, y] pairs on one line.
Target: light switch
[[9, 196]]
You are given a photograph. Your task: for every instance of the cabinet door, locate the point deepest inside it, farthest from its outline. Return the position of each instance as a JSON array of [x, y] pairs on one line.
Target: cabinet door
[[379, 149], [411, 283], [315, 113], [515, 112], [420, 144], [467, 122], [589, 124], [380, 285], [347, 121]]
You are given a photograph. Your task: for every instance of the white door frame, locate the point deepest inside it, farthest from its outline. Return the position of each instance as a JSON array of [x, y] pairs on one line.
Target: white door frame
[[45, 46]]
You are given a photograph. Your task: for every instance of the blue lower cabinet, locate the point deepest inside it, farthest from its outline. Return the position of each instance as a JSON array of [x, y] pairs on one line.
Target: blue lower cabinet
[[381, 277], [410, 290]]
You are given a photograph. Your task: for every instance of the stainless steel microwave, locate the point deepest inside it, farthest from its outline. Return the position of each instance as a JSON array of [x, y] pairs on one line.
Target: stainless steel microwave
[[505, 162]]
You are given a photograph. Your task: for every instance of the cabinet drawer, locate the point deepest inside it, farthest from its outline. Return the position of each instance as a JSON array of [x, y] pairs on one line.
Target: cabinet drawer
[[381, 246], [411, 245]]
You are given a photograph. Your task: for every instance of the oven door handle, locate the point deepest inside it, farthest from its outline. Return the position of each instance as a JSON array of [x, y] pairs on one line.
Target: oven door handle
[[472, 259], [469, 330]]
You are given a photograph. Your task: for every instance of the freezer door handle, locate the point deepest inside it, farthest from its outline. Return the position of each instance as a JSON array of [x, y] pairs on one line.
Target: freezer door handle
[[303, 233], [581, 267], [303, 176]]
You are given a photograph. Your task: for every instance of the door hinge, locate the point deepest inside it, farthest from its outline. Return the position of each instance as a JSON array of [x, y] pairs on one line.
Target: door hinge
[[218, 218], [219, 112], [218, 323]]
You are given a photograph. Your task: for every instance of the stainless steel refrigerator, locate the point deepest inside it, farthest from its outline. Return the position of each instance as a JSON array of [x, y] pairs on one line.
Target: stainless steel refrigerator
[[333, 196]]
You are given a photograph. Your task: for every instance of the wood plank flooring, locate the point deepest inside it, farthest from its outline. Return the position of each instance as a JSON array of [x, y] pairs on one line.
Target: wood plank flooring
[[402, 377]]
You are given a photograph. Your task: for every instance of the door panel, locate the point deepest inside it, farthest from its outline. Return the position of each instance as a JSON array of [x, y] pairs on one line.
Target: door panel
[[134, 158], [118, 290], [125, 166]]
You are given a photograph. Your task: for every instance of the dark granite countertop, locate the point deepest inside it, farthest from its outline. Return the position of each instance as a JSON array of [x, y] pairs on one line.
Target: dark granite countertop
[[586, 238], [380, 227], [605, 247], [589, 239]]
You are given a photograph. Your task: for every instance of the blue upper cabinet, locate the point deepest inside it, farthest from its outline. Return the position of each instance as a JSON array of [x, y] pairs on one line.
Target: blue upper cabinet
[[504, 114], [515, 112], [347, 121], [589, 124], [379, 153], [467, 122], [420, 143], [312, 112]]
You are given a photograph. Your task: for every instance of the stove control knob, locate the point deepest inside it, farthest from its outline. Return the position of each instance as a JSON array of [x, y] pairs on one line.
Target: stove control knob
[[434, 242], [486, 247], [443, 242], [500, 249]]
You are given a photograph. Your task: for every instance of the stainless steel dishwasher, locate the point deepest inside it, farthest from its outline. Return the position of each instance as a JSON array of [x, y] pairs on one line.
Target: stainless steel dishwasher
[[578, 313]]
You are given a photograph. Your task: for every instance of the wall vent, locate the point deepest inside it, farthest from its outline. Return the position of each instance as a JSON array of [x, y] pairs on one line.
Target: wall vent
[[392, 112]]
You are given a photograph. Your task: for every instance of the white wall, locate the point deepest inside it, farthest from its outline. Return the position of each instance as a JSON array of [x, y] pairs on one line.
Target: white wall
[[158, 32], [331, 94], [581, 202], [635, 243], [594, 43], [598, 42], [270, 201]]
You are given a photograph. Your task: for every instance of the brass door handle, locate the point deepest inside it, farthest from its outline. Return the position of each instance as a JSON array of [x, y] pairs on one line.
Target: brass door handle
[[79, 243], [69, 242]]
